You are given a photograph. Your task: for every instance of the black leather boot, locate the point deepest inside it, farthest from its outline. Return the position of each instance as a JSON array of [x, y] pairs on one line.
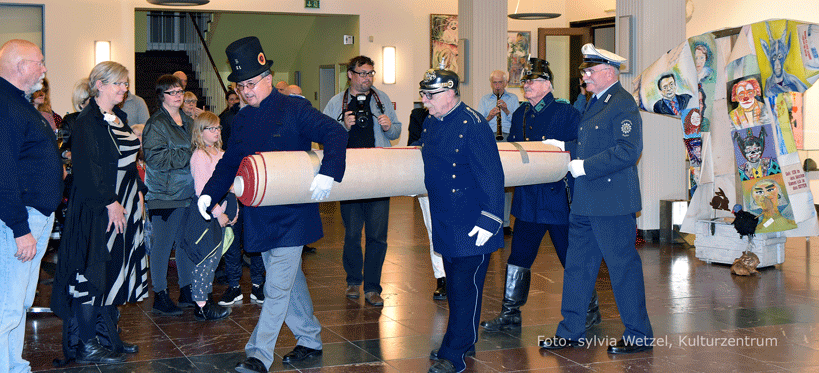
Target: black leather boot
[[440, 292], [593, 315], [515, 295], [92, 352], [210, 311]]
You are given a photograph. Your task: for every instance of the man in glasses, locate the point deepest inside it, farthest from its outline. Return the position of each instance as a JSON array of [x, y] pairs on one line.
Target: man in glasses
[[30, 191], [538, 208], [602, 222], [464, 178], [369, 118], [275, 122]]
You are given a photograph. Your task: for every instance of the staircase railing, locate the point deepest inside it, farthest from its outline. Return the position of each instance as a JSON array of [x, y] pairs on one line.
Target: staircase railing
[[172, 32]]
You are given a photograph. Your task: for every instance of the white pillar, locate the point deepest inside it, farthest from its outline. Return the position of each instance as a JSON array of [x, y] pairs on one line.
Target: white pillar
[[483, 23]]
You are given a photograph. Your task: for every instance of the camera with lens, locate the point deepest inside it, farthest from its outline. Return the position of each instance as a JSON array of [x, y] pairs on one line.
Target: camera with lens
[[362, 112]]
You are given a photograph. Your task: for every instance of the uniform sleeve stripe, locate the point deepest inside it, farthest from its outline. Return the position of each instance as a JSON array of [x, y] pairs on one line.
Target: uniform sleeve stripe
[[493, 217]]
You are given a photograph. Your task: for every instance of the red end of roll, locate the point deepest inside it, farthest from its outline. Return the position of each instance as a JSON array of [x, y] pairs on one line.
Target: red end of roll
[[247, 171]]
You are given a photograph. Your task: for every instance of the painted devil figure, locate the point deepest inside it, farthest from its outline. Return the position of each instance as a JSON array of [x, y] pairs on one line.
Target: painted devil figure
[[752, 147], [777, 51]]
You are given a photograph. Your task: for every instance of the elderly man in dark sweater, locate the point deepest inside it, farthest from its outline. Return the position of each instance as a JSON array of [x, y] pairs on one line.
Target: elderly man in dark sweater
[[30, 190]]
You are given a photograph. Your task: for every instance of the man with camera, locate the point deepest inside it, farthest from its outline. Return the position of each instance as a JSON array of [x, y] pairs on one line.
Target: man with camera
[[369, 118]]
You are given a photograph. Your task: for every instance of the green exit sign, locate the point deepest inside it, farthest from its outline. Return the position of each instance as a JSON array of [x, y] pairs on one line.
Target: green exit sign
[[312, 3]]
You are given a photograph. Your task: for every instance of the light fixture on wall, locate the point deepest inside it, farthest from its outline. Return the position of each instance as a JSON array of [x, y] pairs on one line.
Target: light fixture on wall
[[102, 51], [526, 11], [179, 2], [388, 60]]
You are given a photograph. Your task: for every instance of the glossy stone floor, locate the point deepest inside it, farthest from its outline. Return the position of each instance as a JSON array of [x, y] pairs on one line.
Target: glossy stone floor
[[709, 320]]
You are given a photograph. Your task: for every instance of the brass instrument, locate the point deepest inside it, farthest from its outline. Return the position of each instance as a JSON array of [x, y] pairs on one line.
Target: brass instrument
[[500, 128]]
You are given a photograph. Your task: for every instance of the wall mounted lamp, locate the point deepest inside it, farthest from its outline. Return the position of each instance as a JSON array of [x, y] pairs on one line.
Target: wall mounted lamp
[[102, 51], [388, 58]]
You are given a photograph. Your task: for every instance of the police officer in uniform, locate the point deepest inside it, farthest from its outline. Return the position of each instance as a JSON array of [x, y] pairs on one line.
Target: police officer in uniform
[[542, 207], [606, 198], [272, 121], [464, 178]]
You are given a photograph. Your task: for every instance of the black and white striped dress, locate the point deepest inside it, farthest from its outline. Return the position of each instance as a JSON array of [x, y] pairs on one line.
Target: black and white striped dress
[[127, 271]]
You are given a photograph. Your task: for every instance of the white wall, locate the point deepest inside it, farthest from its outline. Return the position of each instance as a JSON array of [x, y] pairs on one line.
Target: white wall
[[71, 27]]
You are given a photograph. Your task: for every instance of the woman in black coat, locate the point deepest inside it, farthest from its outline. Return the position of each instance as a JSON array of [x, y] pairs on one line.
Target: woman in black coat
[[102, 257]]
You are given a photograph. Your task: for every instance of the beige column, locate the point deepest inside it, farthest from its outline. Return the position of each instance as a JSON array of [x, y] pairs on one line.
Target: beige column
[[483, 23]]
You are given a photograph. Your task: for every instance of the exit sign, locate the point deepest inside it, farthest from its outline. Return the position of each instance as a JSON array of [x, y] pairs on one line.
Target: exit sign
[[312, 3]]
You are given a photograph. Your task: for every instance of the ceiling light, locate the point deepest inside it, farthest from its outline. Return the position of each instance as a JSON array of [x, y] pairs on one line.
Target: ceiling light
[[179, 2]]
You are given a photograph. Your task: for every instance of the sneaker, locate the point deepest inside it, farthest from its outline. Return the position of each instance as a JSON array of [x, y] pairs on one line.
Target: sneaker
[[163, 304], [231, 296], [257, 294]]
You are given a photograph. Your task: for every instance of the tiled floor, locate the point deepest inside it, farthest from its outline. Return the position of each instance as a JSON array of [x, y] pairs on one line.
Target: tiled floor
[[694, 307]]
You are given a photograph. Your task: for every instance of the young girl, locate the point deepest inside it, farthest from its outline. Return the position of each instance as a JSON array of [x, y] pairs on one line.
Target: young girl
[[207, 151]]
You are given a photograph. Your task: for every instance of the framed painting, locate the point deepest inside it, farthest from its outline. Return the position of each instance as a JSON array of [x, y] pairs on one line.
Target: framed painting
[[517, 51], [443, 43]]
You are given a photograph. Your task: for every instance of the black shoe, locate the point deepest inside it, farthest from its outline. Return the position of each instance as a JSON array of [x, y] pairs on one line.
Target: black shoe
[[231, 296], [433, 355], [210, 312], [92, 352], [163, 305], [627, 348], [257, 294], [507, 231], [593, 317], [308, 250], [557, 343], [300, 353], [185, 297], [442, 366], [251, 365], [129, 348], [440, 292]]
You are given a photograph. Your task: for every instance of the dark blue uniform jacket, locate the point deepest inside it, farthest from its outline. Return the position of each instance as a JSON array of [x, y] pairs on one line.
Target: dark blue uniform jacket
[[610, 141], [280, 123], [544, 203], [464, 178]]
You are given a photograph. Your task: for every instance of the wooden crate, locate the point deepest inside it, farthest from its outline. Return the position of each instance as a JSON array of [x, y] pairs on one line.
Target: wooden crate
[[718, 242]]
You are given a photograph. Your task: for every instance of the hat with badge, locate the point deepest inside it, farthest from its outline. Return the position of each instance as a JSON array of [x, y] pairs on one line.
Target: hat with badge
[[246, 59], [440, 78], [535, 69], [593, 56]]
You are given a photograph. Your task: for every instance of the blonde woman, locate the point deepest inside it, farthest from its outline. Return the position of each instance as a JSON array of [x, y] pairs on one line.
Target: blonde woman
[[102, 257]]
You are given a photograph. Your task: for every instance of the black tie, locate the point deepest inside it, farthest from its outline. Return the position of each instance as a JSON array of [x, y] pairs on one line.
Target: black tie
[[591, 102]]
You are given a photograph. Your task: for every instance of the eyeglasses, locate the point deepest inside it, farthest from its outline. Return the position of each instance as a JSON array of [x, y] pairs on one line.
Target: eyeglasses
[[249, 85], [190, 101], [530, 81], [429, 95], [363, 74], [122, 84], [40, 62], [213, 129], [175, 92], [590, 71]]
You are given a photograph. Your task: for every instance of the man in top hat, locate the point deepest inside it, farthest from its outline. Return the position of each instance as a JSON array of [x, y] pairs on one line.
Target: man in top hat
[[275, 122], [602, 222], [538, 208], [464, 178], [367, 114]]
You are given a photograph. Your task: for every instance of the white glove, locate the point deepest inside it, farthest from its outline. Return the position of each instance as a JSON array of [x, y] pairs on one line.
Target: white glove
[[203, 203], [483, 235], [576, 168], [560, 144], [321, 187]]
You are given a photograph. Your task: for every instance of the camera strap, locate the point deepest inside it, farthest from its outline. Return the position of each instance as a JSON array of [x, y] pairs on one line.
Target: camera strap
[[347, 98]]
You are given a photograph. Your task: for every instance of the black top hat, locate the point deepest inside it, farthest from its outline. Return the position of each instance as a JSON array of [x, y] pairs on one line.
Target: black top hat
[[537, 68], [246, 59]]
